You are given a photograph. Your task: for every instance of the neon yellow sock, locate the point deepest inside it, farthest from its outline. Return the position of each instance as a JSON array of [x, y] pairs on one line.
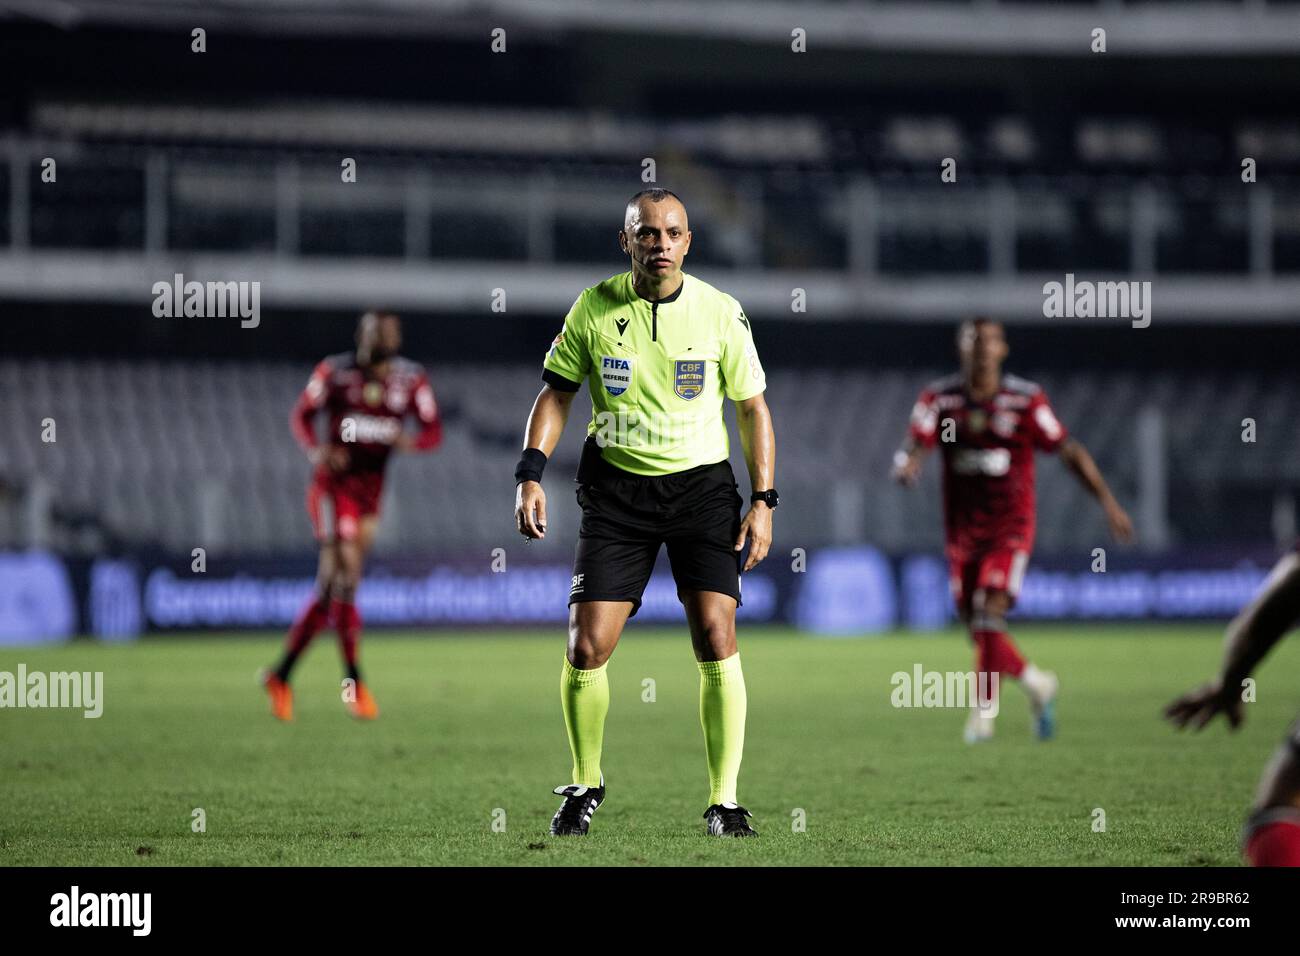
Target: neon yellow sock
[[722, 715], [585, 697]]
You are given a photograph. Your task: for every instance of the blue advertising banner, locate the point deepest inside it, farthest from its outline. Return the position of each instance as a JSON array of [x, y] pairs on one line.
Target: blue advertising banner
[[405, 593], [37, 601], [845, 591]]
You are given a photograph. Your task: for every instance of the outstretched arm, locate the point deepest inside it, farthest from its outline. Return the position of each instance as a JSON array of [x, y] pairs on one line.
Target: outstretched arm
[[758, 440], [1081, 463], [1250, 636], [545, 425]]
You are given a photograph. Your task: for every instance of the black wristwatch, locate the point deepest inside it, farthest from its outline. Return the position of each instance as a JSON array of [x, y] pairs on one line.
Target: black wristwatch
[[769, 497]]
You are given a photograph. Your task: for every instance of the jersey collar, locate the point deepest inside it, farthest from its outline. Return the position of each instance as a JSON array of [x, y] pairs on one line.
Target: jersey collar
[[636, 297], [965, 388]]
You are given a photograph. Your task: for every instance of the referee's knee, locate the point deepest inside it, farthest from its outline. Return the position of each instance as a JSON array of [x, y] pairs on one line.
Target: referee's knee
[[715, 636], [585, 651], [589, 645]]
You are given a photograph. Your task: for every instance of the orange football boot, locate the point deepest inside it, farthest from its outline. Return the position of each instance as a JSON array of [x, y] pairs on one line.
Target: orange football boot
[[363, 706], [281, 696]]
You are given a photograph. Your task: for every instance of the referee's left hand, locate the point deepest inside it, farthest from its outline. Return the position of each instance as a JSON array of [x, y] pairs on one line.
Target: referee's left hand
[[530, 510], [757, 526]]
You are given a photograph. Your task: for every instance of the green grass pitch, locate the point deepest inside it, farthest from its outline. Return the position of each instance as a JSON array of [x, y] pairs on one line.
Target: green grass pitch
[[471, 733]]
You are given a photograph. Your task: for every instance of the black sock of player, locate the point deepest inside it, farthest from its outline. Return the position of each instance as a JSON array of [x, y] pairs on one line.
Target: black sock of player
[[286, 665], [354, 674]]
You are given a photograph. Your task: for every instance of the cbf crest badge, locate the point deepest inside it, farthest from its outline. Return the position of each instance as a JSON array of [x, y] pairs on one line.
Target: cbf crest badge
[[688, 378], [615, 373]]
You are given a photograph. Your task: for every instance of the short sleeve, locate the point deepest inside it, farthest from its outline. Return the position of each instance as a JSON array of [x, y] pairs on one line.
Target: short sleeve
[[568, 357], [317, 389], [742, 372], [924, 424], [426, 406], [1046, 430]]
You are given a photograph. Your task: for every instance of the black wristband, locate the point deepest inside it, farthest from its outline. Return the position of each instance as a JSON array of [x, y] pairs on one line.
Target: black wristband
[[531, 465]]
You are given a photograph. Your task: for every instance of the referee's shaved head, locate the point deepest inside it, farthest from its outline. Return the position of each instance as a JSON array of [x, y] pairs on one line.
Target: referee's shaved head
[[655, 195], [656, 236]]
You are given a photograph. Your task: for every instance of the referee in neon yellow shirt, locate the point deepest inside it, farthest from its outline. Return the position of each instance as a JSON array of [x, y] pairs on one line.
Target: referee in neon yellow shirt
[[660, 350]]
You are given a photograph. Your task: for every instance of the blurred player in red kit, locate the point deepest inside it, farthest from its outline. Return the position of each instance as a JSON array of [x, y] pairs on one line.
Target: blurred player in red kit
[[367, 395], [1271, 836], [989, 425]]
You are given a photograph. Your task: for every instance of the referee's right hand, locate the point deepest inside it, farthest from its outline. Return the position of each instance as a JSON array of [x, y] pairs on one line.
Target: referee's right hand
[[530, 509]]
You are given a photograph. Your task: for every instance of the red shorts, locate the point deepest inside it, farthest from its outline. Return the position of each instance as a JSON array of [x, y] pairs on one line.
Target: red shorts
[[337, 503], [977, 571]]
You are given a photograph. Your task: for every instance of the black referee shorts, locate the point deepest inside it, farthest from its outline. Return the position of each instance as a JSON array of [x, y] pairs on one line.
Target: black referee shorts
[[626, 517]]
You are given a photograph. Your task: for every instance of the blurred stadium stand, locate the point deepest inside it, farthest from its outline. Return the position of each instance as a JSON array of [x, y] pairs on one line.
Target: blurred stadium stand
[[816, 172], [793, 193], [819, 173], [987, 26], [173, 453]]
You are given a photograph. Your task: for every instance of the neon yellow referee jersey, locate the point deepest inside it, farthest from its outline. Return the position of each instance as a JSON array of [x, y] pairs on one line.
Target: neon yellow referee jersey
[[657, 372]]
